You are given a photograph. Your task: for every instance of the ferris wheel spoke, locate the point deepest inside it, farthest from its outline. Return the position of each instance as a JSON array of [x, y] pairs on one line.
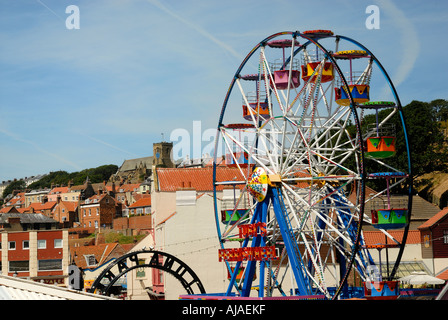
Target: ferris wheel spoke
[[316, 212], [252, 151], [307, 138], [270, 78]]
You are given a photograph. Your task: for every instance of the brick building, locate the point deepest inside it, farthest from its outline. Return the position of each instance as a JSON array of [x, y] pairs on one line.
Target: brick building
[[98, 211], [65, 212], [33, 247], [434, 239]]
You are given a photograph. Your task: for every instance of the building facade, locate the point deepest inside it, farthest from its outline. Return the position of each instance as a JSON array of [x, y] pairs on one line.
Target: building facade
[[66, 212], [97, 211], [34, 249], [434, 239]]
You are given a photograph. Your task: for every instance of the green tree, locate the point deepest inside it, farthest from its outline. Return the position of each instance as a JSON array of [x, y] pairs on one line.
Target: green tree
[[15, 185], [427, 139], [425, 128], [95, 175]]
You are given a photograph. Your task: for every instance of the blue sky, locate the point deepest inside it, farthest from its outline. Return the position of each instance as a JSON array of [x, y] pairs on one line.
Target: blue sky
[[72, 99]]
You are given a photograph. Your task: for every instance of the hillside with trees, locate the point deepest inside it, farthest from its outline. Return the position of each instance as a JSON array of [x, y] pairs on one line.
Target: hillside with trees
[[98, 174]]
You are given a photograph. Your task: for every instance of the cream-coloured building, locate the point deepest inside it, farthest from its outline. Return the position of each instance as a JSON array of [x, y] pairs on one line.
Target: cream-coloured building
[[182, 202], [141, 282], [64, 193]]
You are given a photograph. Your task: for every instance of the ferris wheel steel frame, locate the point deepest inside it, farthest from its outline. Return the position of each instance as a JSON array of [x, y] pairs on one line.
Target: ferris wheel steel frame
[[274, 196]]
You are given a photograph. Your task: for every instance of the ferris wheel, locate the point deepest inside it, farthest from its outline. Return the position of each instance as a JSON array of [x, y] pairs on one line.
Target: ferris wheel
[[293, 124]]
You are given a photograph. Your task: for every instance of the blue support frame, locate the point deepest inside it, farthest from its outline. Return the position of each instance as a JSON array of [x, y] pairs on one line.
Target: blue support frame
[[259, 216], [273, 196], [295, 259]]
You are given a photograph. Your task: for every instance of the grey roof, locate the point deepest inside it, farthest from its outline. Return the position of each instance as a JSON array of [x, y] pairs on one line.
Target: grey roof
[[27, 218], [129, 165]]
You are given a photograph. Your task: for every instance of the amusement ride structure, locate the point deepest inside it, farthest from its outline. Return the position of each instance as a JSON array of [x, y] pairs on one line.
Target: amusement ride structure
[[292, 122], [294, 125]]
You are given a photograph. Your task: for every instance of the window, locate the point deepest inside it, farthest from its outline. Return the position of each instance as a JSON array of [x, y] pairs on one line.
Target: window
[[91, 260], [97, 211], [45, 265], [445, 236], [25, 244], [19, 266], [41, 244], [11, 245], [58, 243], [96, 224]]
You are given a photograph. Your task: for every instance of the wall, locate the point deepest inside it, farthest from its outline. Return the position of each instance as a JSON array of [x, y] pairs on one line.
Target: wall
[[102, 213], [137, 281], [163, 204], [33, 254], [191, 236], [140, 222], [135, 223], [440, 249]]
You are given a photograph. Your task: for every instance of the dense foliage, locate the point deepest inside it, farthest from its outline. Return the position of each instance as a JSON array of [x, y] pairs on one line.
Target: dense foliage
[[427, 137], [95, 175], [15, 185], [425, 124]]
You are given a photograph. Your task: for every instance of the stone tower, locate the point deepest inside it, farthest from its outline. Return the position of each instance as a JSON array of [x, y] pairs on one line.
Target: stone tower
[[162, 154]]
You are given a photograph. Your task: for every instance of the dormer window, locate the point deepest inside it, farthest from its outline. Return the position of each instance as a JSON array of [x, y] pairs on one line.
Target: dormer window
[[90, 260]]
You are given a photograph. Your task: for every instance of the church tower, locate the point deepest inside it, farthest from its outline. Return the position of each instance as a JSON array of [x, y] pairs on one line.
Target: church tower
[[162, 154]]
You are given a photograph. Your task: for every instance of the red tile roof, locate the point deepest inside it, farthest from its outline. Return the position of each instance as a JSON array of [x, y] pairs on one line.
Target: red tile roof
[[18, 197], [59, 190], [9, 210], [38, 206], [143, 202], [101, 252], [70, 205], [201, 179], [378, 237], [98, 198], [434, 219], [443, 275]]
